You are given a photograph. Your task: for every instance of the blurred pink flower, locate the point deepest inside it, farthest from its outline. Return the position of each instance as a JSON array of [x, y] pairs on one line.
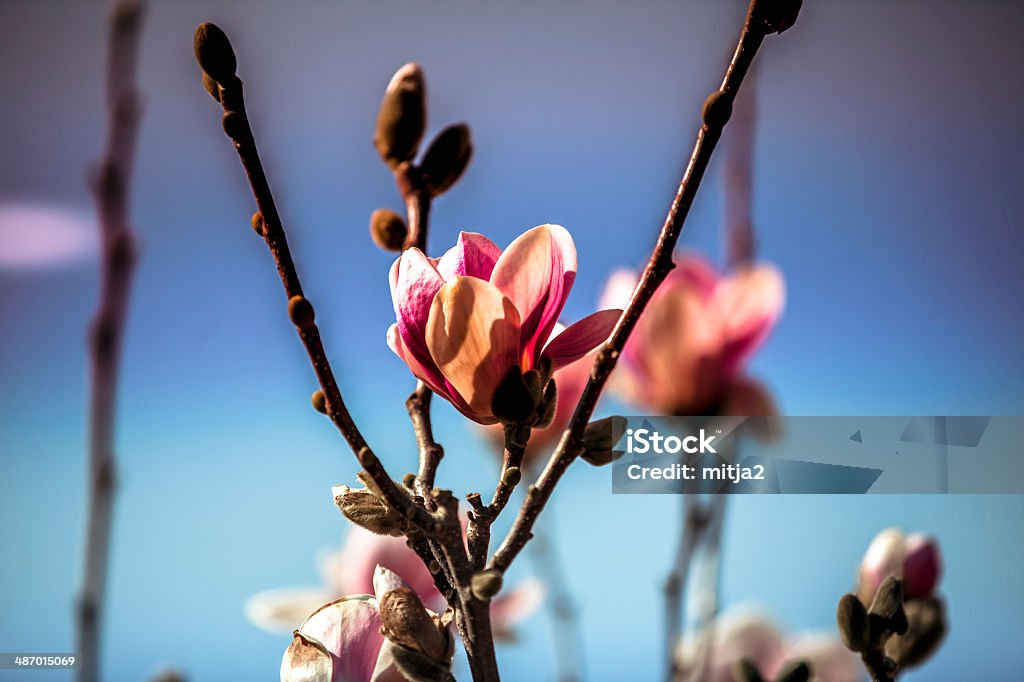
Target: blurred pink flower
[[468, 318], [350, 570], [687, 353], [342, 641], [916, 559], [39, 235], [745, 633]]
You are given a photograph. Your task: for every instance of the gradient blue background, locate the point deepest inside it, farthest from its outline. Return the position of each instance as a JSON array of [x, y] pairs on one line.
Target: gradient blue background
[[887, 189]]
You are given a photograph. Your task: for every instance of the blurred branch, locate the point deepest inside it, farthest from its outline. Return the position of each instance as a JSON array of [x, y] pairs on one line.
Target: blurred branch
[[110, 185], [738, 176], [763, 17], [566, 636]]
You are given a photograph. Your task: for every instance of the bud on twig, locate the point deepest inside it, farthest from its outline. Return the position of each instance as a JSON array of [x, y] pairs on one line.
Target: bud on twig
[[407, 622], [319, 401], [926, 629], [486, 584], [514, 402], [887, 607], [214, 53], [387, 229], [852, 618], [402, 117], [300, 312], [365, 509], [775, 16], [600, 437], [546, 412], [446, 158]]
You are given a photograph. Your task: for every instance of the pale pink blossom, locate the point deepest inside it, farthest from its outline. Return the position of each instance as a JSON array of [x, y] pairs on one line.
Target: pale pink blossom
[[915, 559], [687, 353], [465, 320], [38, 235], [746, 633], [350, 570]]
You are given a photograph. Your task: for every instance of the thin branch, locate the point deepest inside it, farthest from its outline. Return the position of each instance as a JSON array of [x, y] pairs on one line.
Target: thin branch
[[479, 530], [715, 115], [111, 186]]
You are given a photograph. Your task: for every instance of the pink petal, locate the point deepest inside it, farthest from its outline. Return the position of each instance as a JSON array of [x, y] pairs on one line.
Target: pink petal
[[415, 282], [349, 629], [536, 272], [473, 337], [751, 301], [473, 256], [352, 569], [385, 580], [619, 289], [283, 609], [922, 566], [695, 272], [581, 337], [518, 603], [884, 557]]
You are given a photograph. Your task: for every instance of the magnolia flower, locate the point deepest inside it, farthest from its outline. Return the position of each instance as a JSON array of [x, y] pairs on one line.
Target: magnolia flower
[[744, 633], [687, 352], [38, 235], [351, 570], [475, 316], [359, 638], [915, 559]]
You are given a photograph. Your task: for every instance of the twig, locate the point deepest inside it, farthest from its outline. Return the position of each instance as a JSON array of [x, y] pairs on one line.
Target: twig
[[763, 17], [479, 531], [111, 186]]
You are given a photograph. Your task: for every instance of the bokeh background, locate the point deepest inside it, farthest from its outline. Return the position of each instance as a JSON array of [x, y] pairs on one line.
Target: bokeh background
[[887, 189]]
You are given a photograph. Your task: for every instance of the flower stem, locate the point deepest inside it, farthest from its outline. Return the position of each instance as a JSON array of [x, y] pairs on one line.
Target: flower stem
[[118, 256]]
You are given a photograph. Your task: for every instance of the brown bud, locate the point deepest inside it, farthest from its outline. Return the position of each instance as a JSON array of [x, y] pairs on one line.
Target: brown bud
[[214, 53], [600, 437], [797, 671], [319, 401], [745, 670], [926, 629], [257, 223], [546, 411], [486, 584], [402, 116], [717, 109], [300, 312], [775, 15], [413, 665], [211, 86], [514, 402], [387, 229], [234, 125], [407, 622], [446, 158], [886, 612], [512, 476], [365, 509], [852, 619]]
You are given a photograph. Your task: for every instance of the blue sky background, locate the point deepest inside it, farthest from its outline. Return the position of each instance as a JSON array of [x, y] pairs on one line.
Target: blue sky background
[[887, 190]]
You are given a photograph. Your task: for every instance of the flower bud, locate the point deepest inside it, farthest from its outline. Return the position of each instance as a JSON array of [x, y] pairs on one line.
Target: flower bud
[[717, 109], [775, 15], [884, 557], [365, 509], [300, 312], [319, 401], [852, 619], [514, 402], [214, 53], [486, 584], [926, 628], [886, 612], [600, 437], [546, 411], [413, 665], [402, 116], [745, 670], [797, 671], [407, 622], [922, 566], [388, 230], [446, 158]]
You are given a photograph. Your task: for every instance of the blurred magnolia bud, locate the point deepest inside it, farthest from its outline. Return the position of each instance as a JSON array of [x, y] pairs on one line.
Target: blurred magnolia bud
[[365, 509], [745, 670], [388, 230], [922, 566], [214, 53], [852, 619], [446, 158], [417, 666], [775, 15], [883, 558], [486, 584], [796, 671], [319, 401], [402, 116], [407, 622], [886, 612], [515, 402], [926, 628], [600, 437]]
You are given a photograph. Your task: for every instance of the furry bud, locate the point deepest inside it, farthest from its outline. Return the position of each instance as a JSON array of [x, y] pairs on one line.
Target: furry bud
[[446, 158], [600, 437], [406, 622], [319, 401], [852, 618], [365, 509], [402, 117], [887, 607], [486, 584], [214, 53], [514, 402], [926, 629], [300, 312], [775, 15], [388, 230]]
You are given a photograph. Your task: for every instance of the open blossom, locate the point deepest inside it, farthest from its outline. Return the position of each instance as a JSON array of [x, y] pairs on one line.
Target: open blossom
[[344, 640], [687, 352], [469, 318], [350, 570], [744, 633], [915, 559]]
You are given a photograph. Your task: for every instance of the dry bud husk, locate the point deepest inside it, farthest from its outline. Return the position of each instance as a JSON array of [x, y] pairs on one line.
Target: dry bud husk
[[600, 437], [418, 667], [365, 509], [388, 230], [407, 622], [446, 158], [852, 618], [887, 608], [306, 659], [926, 628], [402, 117]]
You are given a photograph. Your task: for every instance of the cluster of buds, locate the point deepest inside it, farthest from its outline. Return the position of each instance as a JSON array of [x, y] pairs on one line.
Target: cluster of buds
[[895, 620], [401, 122], [389, 636]]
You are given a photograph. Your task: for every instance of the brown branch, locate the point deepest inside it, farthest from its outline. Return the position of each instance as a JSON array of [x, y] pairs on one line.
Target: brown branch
[[236, 124], [738, 176], [763, 17], [111, 186]]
